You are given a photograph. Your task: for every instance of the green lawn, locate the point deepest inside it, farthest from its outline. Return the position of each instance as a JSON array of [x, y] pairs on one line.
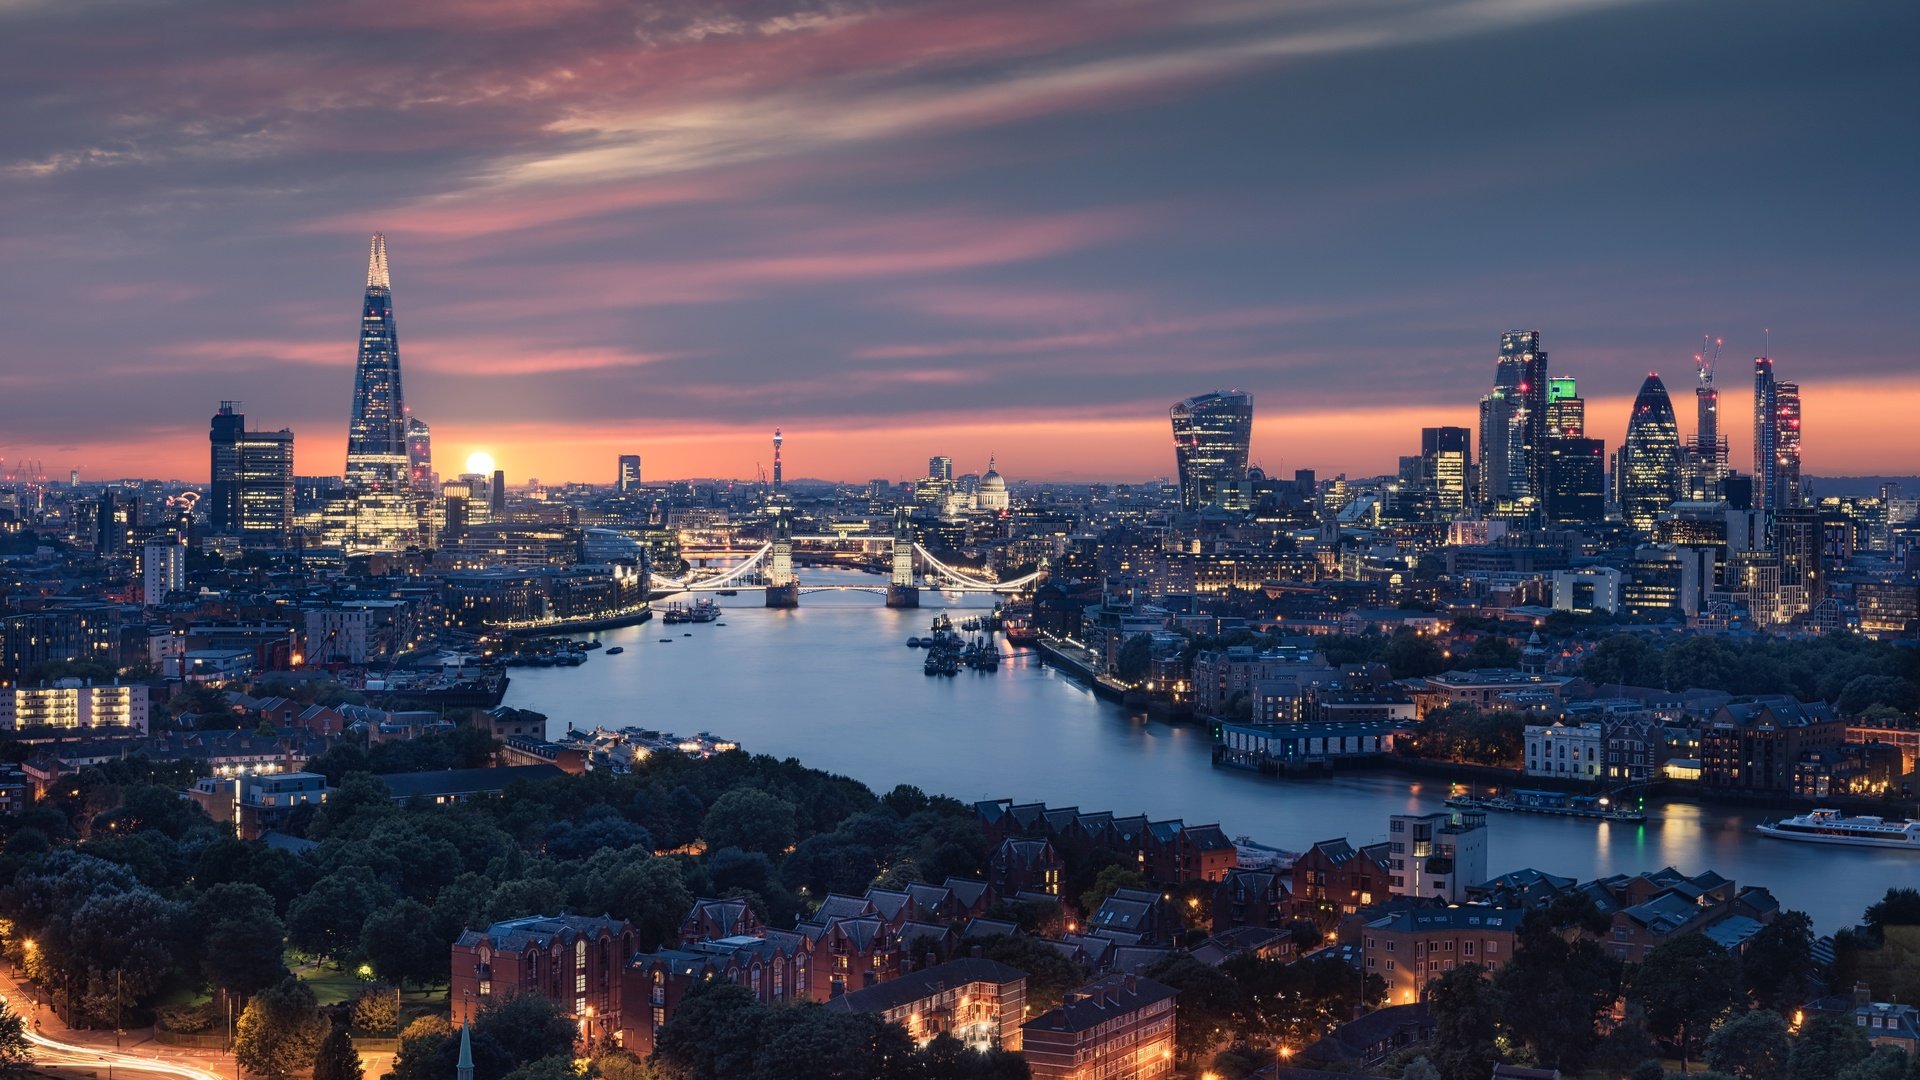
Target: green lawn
[[330, 986]]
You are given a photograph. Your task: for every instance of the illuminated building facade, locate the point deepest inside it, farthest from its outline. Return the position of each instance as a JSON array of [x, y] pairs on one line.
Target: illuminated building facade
[[1513, 422], [419, 456], [70, 703], [1211, 437], [1446, 461], [250, 494], [1649, 466], [1766, 492], [627, 477], [1786, 444], [377, 431]]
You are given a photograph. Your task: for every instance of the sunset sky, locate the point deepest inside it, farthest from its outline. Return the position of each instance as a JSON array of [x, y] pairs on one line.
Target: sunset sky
[[895, 229]]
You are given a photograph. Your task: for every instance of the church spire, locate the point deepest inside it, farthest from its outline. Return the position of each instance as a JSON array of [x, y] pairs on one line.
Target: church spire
[[377, 263], [464, 1067]]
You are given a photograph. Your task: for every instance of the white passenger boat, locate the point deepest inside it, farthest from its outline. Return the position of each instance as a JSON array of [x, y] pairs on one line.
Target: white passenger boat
[[1833, 827]]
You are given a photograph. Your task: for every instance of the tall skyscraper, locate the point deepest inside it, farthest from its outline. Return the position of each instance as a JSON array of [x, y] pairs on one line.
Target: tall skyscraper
[[1566, 409], [1513, 421], [1707, 459], [1786, 442], [1576, 479], [1766, 463], [628, 476], [250, 488], [420, 456], [940, 467], [497, 502], [1211, 436], [377, 432], [1649, 463], [1446, 459]]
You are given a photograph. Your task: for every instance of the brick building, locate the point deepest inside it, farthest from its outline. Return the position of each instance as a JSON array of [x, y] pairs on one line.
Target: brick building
[[1412, 947], [1334, 878], [572, 960], [1116, 1028], [980, 1002]]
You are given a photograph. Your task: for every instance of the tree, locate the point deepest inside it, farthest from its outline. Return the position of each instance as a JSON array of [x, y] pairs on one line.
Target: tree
[[1885, 1063], [1209, 1003], [1750, 1046], [1826, 1046], [1685, 985], [1623, 658], [1466, 1011], [1049, 974], [712, 1035], [16, 1051], [1111, 878], [1900, 907], [377, 1009], [1776, 963], [1555, 992], [1420, 1069], [396, 942], [1135, 659], [327, 919], [557, 1067], [527, 1027], [337, 1059], [280, 1031], [750, 820]]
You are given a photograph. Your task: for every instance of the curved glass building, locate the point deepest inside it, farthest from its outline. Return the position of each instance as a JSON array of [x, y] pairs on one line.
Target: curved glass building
[[1649, 466], [1211, 434]]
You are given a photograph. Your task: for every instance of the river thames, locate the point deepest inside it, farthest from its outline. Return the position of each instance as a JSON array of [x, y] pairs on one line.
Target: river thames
[[833, 684]]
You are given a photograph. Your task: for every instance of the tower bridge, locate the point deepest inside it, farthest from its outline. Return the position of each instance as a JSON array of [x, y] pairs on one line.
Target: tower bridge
[[771, 566]]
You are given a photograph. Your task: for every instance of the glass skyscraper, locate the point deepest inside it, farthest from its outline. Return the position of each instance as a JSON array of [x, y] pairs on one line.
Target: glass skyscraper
[[1513, 421], [250, 489], [1766, 461], [420, 456], [1786, 443], [1211, 436], [1649, 464], [377, 461]]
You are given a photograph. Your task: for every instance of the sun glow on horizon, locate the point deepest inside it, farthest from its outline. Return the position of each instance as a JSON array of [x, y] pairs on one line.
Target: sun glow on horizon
[[480, 462]]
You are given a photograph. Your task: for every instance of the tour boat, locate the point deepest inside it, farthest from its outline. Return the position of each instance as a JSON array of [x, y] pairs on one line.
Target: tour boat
[[1833, 827]]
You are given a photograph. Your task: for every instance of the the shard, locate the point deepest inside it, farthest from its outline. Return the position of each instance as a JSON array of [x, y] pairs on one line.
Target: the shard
[[377, 434]]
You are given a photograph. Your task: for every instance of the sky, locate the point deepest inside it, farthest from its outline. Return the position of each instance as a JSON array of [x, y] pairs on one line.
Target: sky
[[897, 228]]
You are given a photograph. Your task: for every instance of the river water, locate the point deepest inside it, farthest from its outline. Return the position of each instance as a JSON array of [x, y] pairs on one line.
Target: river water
[[833, 684]]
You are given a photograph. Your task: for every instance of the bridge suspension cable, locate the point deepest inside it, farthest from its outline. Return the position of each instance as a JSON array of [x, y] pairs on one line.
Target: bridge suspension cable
[[1010, 585]]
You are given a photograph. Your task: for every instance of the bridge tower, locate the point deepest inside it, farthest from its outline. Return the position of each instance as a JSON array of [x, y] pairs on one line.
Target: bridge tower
[[783, 589], [902, 592]]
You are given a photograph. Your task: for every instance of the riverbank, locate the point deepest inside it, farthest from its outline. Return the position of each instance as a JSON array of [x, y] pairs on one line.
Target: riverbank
[[577, 626]]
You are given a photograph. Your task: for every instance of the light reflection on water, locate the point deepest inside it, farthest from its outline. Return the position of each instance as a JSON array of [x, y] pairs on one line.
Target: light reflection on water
[[833, 684]]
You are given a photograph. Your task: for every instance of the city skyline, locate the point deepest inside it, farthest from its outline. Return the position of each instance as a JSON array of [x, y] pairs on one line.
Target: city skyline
[[1035, 230]]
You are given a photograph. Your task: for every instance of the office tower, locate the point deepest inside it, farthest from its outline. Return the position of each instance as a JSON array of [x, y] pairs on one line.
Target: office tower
[[117, 517], [1765, 429], [1446, 456], [376, 434], [1649, 463], [779, 479], [456, 495], [1211, 436], [940, 467], [1786, 442], [1576, 480], [1566, 409], [628, 476], [420, 456], [1708, 457], [497, 496], [250, 489], [163, 570], [1513, 421]]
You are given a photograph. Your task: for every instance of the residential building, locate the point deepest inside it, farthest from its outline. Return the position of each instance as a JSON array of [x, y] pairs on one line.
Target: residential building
[[977, 1001], [574, 961], [1412, 947], [1116, 1028], [1438, 855], [1752, 745], [163, 570], [72, 703], [1333, 878]]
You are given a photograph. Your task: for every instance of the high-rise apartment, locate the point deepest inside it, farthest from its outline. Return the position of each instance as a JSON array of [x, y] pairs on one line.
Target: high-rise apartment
[[250, 489], [1786, 443], [377, 431], [1211, 437], [163, 569], [1649, 464], [1766, 463], [1446, 461]]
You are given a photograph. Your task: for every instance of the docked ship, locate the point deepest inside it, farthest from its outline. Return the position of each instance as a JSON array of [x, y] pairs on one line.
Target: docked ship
[[1834, 827], [702, 611]]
